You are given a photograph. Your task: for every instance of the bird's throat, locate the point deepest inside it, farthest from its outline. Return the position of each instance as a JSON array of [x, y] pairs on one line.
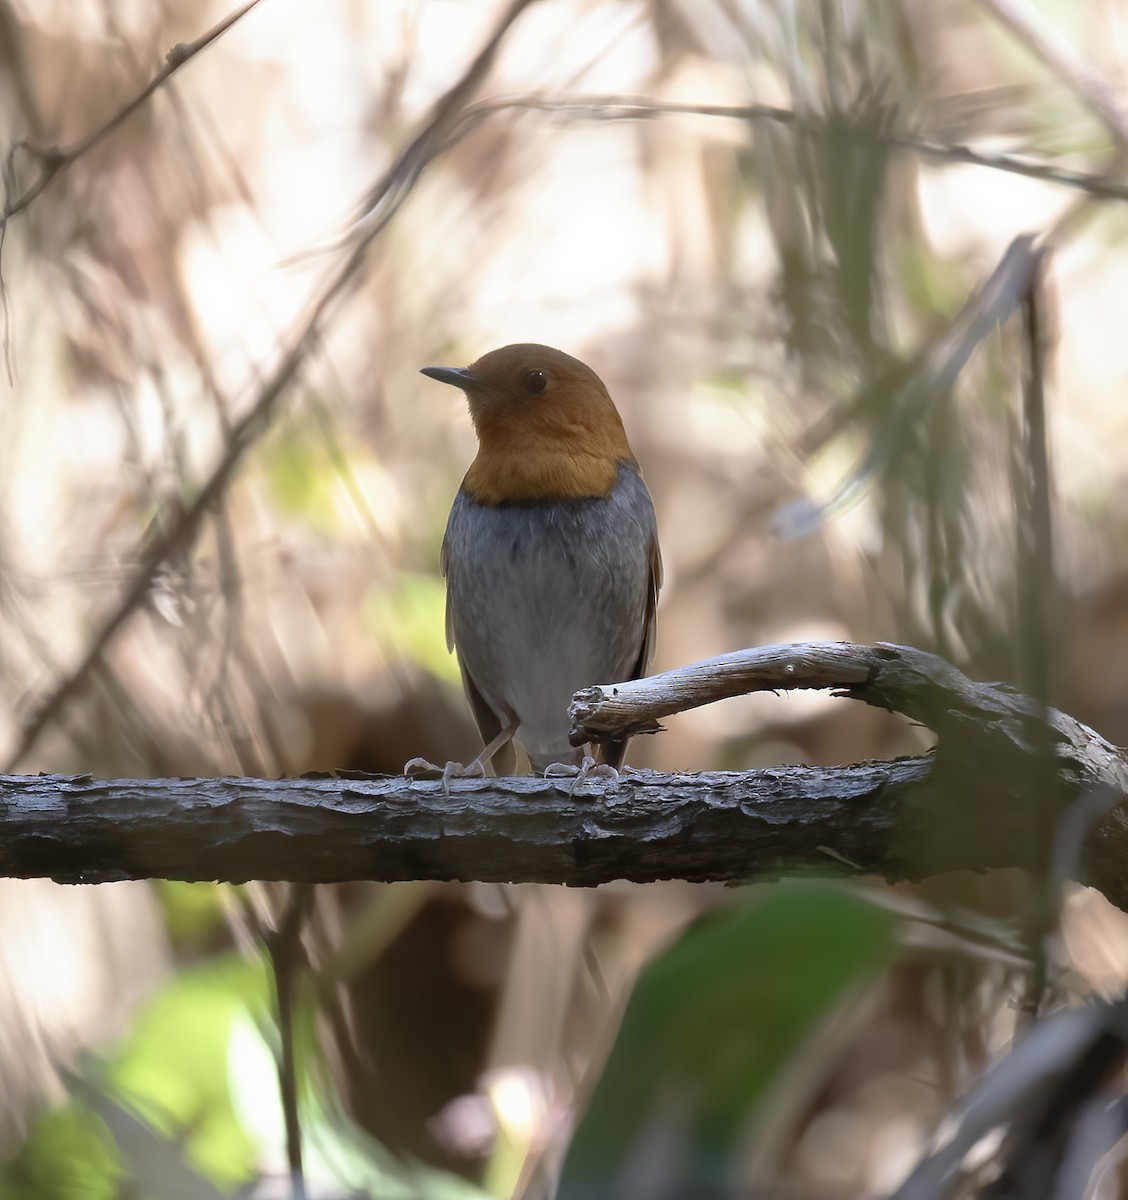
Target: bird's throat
[[537, 477]]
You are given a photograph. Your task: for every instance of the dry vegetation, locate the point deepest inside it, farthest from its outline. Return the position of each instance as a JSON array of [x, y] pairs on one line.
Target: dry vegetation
[[224, 483]]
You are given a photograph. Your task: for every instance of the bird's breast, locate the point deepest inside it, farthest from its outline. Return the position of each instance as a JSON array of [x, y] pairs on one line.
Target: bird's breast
[[544, 599], [596, 544]]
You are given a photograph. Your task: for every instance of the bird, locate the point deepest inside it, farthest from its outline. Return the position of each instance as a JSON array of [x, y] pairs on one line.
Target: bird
[[551, 555]]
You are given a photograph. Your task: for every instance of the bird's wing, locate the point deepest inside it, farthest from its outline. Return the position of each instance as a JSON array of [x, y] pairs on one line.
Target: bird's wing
[[613, 752], [653, 586], [488, 722], [444, 565]]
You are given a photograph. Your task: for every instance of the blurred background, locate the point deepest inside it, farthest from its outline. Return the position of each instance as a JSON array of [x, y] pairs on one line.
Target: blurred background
[[754, 292]]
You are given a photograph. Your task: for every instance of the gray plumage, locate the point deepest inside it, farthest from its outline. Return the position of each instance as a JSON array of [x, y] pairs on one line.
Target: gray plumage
[[546, 598]]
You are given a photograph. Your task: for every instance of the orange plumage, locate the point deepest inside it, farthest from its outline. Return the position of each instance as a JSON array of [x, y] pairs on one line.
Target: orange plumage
[[567, 448]]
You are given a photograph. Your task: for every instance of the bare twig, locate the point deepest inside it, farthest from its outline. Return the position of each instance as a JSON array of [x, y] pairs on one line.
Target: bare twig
[[635, 108], [1044, 42], [902, 679], [382, 204], [1030, 28], [626, 709], [1036, 592], [934, 375], [54, 160]]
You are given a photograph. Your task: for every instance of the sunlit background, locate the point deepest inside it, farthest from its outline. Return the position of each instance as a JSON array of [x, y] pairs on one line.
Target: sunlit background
[[751, 292]]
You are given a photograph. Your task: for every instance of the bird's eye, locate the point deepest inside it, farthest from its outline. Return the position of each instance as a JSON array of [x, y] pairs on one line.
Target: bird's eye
[[536, 382]]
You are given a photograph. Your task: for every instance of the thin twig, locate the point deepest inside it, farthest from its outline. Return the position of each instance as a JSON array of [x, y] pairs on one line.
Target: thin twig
[[54, 160], [635, 108], [284, 945], [1030, 28], [1036, 591], [382, 204], [934, 375], [1046, 44]]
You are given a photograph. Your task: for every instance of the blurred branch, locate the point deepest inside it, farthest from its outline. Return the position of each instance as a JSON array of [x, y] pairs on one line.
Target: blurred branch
[[1026, 23], [383, 202], [1043, 41], [634, 108], [54, 160], [284, 945], [1037, 595], [1035, 505], [1055, 1096], [963, 807], [932, 376], [432, 139]]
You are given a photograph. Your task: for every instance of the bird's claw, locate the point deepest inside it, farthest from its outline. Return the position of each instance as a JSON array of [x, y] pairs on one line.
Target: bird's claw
[[599, 770], [561, 770], [588, 769], [421, 768]]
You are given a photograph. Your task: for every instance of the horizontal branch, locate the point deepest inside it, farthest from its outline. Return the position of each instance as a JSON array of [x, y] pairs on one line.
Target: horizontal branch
[[643, 827], [891, 819], [965, 806]]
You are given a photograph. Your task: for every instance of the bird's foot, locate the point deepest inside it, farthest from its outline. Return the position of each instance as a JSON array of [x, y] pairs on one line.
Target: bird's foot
[[588, 769], [585, 770], [420, 768], [561, 770]]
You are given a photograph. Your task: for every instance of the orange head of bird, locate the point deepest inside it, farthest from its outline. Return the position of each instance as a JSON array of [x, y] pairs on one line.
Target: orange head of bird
[[547, 429]]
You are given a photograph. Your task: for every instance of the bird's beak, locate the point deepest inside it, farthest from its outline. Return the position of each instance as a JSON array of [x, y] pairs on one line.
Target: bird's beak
[[459, 377]]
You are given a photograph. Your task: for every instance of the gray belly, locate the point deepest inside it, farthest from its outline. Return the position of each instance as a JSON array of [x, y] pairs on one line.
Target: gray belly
[[546, 599]]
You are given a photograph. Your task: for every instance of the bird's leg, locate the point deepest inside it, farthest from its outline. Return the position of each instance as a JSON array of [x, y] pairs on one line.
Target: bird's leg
[[420, 768], [477, 769]]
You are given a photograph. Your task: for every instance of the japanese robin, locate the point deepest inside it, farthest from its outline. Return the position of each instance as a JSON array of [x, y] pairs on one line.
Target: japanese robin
[[551, 553]]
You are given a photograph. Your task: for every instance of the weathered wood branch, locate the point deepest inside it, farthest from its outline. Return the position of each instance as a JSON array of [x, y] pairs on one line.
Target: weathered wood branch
[[902, 679], [964, 806], [990, 739], [716, 825]]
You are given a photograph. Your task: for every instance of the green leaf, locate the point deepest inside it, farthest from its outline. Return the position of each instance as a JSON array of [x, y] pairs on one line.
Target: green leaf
[[69, 1155], [174, 1066], [712, 1026]]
